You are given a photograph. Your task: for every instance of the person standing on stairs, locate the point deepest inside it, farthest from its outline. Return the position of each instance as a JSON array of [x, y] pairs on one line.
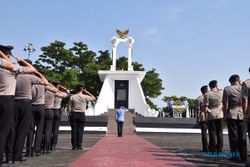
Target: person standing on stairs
[[119, 117]]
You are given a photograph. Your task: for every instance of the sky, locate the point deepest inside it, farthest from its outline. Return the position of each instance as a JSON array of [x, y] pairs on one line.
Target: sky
[[188, 42]]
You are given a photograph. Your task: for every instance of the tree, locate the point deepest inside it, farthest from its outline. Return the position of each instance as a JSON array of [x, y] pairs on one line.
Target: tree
[[191, 102]]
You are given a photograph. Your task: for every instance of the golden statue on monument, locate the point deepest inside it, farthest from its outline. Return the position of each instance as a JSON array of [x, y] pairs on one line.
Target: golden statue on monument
[[122, 34]]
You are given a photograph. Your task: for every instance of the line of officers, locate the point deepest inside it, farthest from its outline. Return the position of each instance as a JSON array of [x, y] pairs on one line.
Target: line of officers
[[29, 100], [231, 106]]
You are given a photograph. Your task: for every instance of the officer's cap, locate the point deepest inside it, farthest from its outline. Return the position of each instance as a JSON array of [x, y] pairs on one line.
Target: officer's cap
[[6, 49]]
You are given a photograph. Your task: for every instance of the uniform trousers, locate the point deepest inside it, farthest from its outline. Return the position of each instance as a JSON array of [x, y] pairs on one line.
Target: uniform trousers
[[215, 131], [237, 137], [119, 128], [77, 121], [248, 128], [38, 116], [48, 123], [22, 124], [6, 119], [55, 128], [10, 143], [203, 126]]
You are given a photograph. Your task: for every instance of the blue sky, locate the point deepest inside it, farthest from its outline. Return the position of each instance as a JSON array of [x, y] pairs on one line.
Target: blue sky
[[189, 42]]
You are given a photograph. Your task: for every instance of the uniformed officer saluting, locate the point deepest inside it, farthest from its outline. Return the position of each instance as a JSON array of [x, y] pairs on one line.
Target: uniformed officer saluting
[[77, 107], [7, 92], [23, 113], [57, 113], [38, 116]]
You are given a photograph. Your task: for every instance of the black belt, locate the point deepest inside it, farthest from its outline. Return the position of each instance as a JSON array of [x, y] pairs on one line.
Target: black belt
[[23, 100], [37, 104], [6, 97]]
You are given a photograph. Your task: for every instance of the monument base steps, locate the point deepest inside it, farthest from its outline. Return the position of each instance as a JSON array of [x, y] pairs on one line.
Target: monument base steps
[[128, 126]]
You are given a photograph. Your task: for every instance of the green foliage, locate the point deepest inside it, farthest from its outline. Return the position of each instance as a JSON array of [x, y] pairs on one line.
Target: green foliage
[[191, 102], [151, 104], [152, 84]]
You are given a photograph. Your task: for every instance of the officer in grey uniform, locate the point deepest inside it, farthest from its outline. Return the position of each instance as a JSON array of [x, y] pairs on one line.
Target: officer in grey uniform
[[38, 115], [7, 90], [246, 102], [232, 108], [23, 113], [213, 101], [201, 116], [57, 114], [77, 107], [7, 103], [49, 117]]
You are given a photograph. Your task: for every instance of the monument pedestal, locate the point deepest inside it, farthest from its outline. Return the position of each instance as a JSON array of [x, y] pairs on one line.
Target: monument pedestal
[[121, 88]]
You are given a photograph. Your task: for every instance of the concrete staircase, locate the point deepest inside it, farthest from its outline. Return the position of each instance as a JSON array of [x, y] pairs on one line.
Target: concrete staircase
[[128, 126]]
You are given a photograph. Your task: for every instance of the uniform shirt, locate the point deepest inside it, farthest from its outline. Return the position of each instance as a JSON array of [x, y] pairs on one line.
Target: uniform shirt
[[49, 99], [24, 83], [57, 102], [213, 100], [78, 102], [200, 106], [119, 115], [8, 80], [233, 96], [246, 94], [3, 62], [38, 94]]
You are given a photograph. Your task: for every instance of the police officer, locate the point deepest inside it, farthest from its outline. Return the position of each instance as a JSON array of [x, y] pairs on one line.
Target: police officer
[[201, 116], [49, 118], [246, 102], [232, 108], [6, 96], [38, 115], [77, 107], [213, 101], [57, 113], [7, 92], [23, 113]]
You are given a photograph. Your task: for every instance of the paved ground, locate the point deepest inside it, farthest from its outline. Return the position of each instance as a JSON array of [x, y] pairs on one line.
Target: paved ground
[[188, 146], [63, 155], [129, 151], [184, 145]]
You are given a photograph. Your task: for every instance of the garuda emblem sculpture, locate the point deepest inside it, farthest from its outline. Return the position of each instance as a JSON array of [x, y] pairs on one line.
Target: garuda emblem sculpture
[[122, 34]]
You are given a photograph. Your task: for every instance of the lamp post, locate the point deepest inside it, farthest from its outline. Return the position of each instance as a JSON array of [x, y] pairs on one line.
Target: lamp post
[[29, 49]]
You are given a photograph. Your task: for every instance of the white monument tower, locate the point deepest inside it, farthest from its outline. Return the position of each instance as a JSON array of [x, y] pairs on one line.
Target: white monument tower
[[121, 88]]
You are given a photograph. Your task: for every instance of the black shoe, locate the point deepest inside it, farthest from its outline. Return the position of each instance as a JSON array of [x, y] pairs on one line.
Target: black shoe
[[37, 153], [19, 160], [28, 155], [79, 148], [47, 151], [53, 148], [74, 148], [7, 162]]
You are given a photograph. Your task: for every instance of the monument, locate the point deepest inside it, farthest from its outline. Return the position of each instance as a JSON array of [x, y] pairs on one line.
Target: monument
[[121, 88]]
